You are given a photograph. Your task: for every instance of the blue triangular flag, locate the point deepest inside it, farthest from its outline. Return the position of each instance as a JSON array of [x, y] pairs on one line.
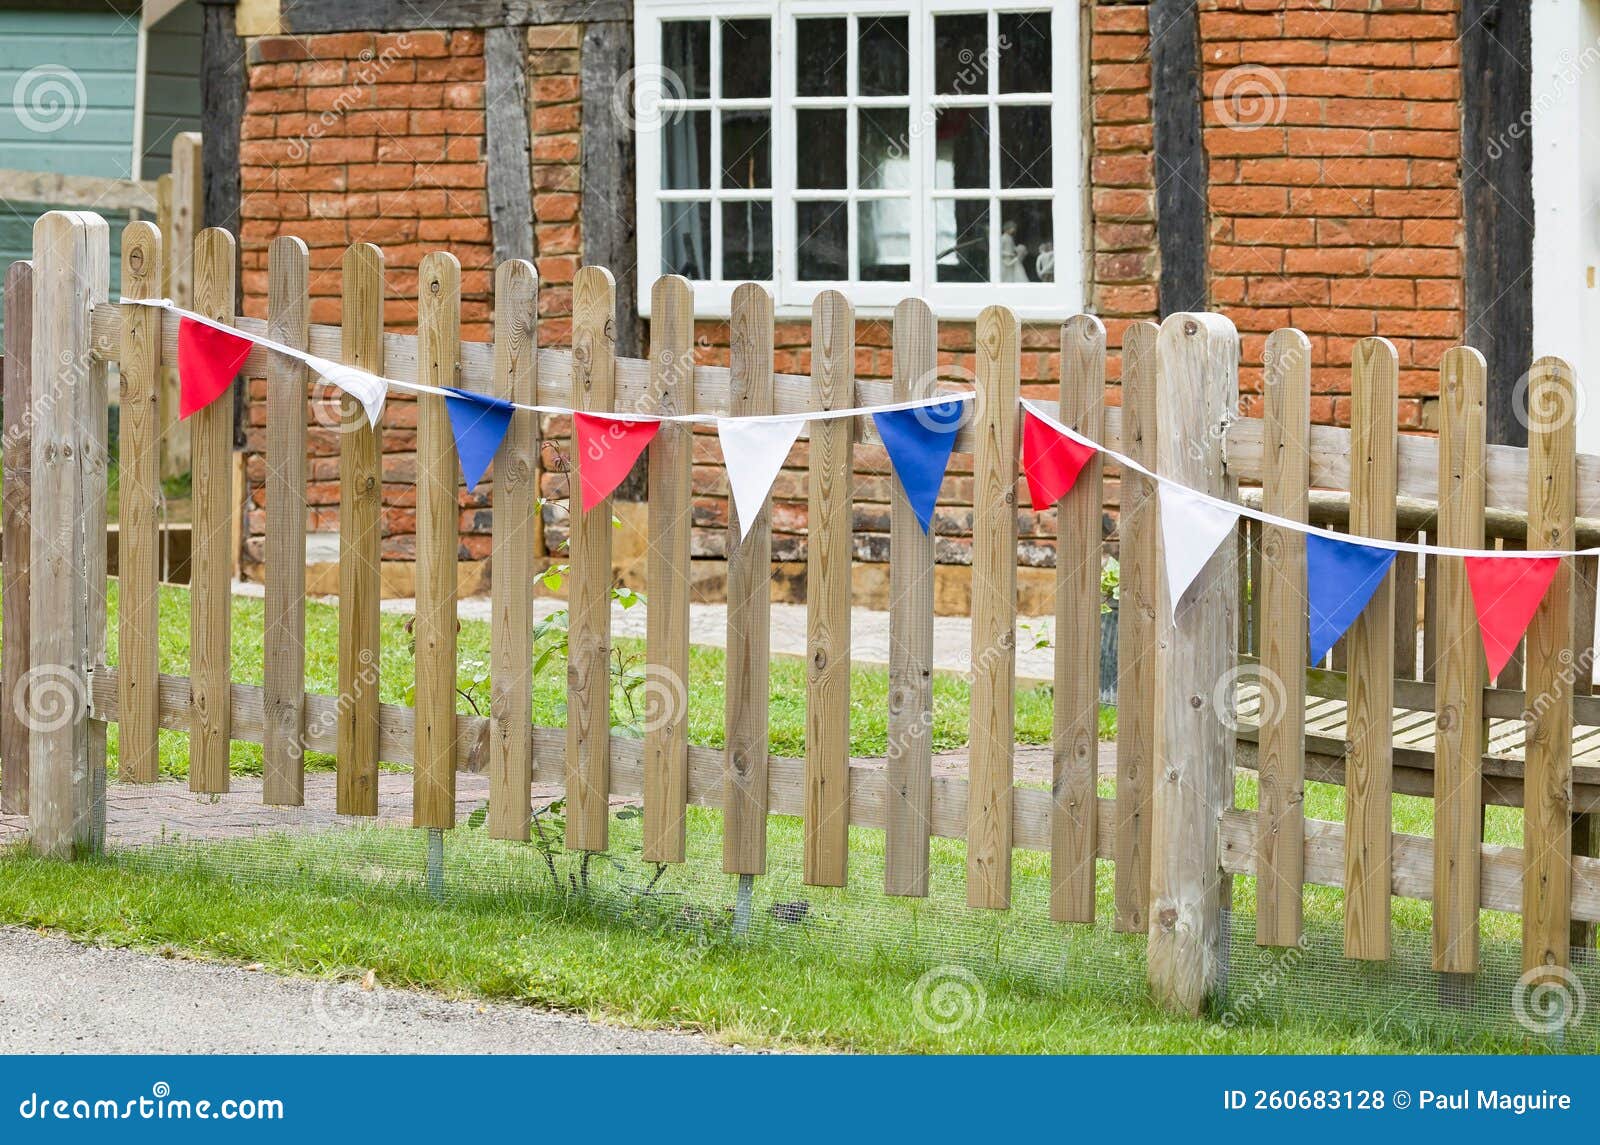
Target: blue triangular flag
[[919, 442], [1341, 577], [480, 423]]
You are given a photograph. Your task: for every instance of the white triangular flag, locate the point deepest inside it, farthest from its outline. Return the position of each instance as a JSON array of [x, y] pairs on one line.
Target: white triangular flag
[[367, 388], [753, 452], [1191, 530]]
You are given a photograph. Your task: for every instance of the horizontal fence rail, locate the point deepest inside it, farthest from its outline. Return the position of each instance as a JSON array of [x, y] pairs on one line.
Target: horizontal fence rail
[[1224, 686]]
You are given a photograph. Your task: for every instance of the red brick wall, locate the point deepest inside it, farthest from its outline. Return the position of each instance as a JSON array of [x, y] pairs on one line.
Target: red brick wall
[[358, 137], [1333, 137]]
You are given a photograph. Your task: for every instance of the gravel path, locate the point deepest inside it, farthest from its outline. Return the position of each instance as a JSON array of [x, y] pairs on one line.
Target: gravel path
[[59, 997]]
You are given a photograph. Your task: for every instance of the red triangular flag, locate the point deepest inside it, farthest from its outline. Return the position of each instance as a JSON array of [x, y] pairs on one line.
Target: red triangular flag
[[1506, 592], [1051, 461], [208, 360], [607, 449]]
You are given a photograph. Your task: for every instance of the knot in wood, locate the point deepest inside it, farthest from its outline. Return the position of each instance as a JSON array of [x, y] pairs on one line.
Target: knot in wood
[[1168, 919], [819, 659]]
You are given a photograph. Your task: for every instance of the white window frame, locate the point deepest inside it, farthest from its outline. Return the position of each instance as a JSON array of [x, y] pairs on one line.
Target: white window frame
[[1044, 300]]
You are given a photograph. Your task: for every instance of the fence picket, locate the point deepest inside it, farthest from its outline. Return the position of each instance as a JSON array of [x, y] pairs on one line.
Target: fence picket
[[1373, 641], [1459, 668], [994, 610], [668, 573], [210, 584], [594, 383], [360, 538], [438, 509], [1075, 737], [1139, 604], [744, 787], [139, 503], [516, 508], [1281, 641], [284, 643], [908, 771], [185, 211], [1547, 784], [829, 537], [16, 531]]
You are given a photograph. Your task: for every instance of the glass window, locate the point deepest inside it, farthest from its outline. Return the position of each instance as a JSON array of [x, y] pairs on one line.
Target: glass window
[[803, 145]]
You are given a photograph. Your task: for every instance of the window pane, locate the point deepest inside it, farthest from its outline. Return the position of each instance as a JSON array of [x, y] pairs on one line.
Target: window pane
[[885, 159], [747, 241], [822, 56], [686, 239], [686, 53], [1027, 252], [961, 234], [883, 229], [824, 231], [686, 151], [961, 159], [1024, 51], [883, 65], [1024, 147], [959, 44], [746, 59], [747, 149], [820, 148]]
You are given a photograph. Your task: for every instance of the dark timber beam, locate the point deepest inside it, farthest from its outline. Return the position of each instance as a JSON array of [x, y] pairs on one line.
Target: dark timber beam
[[1180, 154], [222, 88], [1497, 200], [304, 17], [505, 99]]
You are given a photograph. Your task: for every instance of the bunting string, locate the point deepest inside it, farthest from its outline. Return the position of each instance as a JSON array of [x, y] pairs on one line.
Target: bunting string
[[356, 382], [324, 366], [1266, 518]]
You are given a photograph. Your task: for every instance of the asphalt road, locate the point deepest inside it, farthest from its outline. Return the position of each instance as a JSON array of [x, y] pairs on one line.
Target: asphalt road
[[59, 997]]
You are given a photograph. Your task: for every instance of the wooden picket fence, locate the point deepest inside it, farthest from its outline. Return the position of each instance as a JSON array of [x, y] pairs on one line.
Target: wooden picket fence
[[1172, 830]]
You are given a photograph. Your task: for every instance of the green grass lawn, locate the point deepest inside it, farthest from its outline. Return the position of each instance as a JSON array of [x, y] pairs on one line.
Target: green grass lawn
[[818, 968], [869, 686]]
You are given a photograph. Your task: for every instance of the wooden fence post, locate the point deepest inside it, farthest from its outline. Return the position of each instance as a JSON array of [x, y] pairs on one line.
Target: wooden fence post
[[1139, 614], [16, 529], [594, 387], [67, 765], [908, 771], [139, 501], [516, 506], [744, 784], [828, 558], [994, 610], [1373, 641], [186, 210], [1197, 364], [671, 507], [438, 522], [1547, 786], [1459, 672], [211, 587], [284, 643], [1281, 641], [360, 538], [1074, 808]]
